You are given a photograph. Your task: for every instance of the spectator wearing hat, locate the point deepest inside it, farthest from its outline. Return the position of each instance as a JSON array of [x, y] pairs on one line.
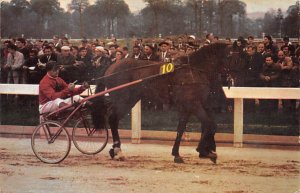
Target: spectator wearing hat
[[67, 61], [99, 63], [164, 54], [192, 42], [149, 54]]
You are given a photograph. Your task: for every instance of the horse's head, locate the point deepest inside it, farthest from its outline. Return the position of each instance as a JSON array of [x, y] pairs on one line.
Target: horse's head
[[211, 58]]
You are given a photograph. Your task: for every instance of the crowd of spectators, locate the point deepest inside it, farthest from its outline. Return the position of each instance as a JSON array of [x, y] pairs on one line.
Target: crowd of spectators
[[261, 63]]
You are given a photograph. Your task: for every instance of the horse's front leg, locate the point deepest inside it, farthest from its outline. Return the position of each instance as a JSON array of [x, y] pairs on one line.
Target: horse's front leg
[[183, 119], [115, 152]]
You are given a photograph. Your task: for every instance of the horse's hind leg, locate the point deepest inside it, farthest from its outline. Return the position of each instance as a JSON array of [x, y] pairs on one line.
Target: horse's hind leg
[[183, 118], [207, 145]]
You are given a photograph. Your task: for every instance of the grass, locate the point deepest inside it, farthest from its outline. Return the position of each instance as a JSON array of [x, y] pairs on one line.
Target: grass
[[277, 123]]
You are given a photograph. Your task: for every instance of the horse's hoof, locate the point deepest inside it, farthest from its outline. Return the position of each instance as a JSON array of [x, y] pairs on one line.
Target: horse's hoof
[[178, 160], [116, 154], [119, 157], [112, 153], [214, 160], [212, 156]]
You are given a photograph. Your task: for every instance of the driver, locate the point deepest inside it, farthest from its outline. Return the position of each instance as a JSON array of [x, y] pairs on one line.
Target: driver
[[54, 92]]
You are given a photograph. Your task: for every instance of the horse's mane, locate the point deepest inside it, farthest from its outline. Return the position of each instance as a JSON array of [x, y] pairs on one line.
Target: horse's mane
[[203, 57]]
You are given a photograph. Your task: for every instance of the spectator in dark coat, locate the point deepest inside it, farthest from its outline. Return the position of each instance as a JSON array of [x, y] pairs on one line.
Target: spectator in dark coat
[[136, 53], [164, 54], [254, 63], [66, 61], [269, 77], [4, 54], [149, 54], [83, 63], [270, 47], [99, 63], [290, 46], [48, 56], [286, 64], [34, 75]]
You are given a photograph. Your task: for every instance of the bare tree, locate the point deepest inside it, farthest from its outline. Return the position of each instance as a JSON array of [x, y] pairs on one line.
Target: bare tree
[[113, 10], [229, 11], [157, 7], [79, 5], [45, 8]]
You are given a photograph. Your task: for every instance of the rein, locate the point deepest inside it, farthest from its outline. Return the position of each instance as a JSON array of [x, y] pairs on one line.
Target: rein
[[123, 71], [135, 68]]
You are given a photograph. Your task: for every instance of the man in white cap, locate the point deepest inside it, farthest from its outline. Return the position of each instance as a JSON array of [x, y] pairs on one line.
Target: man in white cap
[[67, 61], [99, 63], [191, 41]]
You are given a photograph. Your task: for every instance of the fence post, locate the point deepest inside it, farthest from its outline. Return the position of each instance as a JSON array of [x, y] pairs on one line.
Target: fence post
[[238, 122], [1, 109], [136, 123]]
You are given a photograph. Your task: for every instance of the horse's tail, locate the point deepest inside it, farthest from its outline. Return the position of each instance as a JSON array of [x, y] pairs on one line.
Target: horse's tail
[[99, 112]]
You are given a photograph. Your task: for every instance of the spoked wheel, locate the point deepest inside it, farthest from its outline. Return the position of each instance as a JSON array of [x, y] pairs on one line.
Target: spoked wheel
[[87, 139], [45, 147]]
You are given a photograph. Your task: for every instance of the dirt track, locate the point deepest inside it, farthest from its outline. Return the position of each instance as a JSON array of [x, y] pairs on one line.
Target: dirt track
[[149, 168]]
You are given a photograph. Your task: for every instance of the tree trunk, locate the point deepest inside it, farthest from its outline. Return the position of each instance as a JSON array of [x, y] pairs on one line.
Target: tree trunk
[[80, 21], [112, 26], [155, 24], [196, 18]]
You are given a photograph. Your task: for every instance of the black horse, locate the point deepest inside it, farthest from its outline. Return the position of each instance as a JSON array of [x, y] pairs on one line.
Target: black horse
[[188, 87]]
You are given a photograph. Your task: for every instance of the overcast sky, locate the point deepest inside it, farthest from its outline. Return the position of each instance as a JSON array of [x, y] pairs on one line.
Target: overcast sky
[[252, 5], [265, 5]]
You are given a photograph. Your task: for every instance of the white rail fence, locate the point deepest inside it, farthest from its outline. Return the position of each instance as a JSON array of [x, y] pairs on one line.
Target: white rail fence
[[236, 93], [241, 93]]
